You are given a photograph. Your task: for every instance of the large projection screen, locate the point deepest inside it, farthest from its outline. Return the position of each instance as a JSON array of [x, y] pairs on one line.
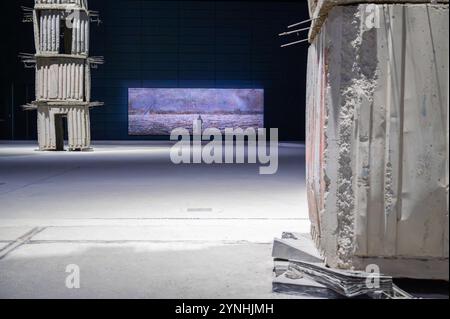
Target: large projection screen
[[153, 111]]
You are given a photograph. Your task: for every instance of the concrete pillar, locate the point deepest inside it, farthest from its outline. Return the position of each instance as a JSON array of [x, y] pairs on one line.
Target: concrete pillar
[[377, 132]]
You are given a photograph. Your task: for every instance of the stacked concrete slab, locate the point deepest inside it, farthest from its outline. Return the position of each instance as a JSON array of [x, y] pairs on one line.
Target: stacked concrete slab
[[377, 104], [63, 68]]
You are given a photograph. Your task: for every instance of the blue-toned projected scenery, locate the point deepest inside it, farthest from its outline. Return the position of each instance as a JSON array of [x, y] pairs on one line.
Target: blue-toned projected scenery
[[159, 111]]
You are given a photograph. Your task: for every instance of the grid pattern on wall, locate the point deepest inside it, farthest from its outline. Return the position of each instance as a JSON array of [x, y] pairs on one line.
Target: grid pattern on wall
[[197, 44]]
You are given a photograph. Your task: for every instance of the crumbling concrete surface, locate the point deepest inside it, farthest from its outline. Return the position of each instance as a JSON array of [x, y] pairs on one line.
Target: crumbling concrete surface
[[319, 9], [377, 104]]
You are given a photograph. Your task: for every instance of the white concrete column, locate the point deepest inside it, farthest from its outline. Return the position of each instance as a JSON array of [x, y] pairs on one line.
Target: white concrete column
[[86, 35], [74, 36], [41, 32], [78, 36], [49, 32], [60, 82], [53, 32], [44, 31], [58, 33]]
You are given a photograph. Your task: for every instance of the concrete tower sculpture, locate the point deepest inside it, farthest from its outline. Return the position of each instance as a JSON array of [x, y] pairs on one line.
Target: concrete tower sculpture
[[63, 72]]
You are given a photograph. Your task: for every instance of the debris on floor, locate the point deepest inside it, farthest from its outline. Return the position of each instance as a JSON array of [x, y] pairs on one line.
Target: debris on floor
[[300, 270]]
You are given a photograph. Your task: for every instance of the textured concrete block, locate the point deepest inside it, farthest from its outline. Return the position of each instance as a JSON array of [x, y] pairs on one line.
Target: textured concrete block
[[377, 156]]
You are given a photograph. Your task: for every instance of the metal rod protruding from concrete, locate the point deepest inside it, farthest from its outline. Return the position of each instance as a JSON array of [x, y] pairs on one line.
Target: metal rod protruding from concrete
[[301, 22], [293, 31], [296, 42]]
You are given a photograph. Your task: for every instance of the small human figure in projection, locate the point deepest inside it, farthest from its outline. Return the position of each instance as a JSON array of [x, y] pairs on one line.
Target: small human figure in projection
[[200, 120], [198, 126]]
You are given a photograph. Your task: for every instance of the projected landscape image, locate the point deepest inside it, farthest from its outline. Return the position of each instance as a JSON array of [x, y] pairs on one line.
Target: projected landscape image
[[159, 111]]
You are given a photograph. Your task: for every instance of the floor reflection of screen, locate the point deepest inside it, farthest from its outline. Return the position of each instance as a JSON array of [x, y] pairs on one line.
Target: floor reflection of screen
[[159, 111]]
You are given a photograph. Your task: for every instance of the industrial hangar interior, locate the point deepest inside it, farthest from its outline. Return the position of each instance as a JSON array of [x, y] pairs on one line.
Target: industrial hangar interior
[[189, 149]]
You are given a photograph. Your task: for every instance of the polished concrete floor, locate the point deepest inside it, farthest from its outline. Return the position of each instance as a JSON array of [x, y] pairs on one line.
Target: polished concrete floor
[[139, 226]]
